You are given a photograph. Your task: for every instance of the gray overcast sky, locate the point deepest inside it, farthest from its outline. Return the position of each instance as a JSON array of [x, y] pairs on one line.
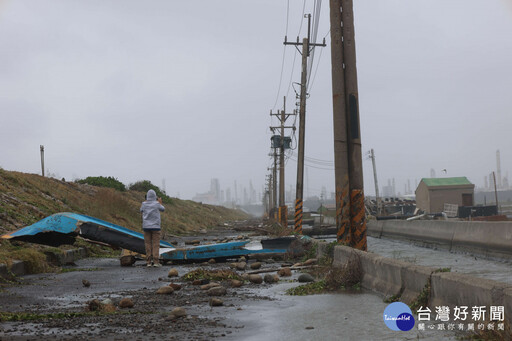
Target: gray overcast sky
[[182, 90]]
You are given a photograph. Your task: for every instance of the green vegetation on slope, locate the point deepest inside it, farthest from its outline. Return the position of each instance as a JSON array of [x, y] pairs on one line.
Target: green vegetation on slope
[[28, 198], [102, 181]]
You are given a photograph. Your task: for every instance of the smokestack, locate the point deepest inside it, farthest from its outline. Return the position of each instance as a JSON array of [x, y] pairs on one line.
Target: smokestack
[[498, 169]]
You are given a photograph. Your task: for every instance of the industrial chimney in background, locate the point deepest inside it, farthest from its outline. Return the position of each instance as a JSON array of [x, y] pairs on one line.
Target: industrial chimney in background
[[498, 169]]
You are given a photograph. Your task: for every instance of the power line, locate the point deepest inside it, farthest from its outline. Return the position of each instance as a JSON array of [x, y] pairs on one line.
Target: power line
[[316, 19], [284, 55], [317, 64], [295, 54]]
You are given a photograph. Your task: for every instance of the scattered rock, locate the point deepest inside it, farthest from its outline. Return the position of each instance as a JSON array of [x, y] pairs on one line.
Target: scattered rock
[[178, 312], [240, 237], [255, 265], [241, 266], [196, 241], [94, 305], [286, 265], [217, 291], [242, 259], [271, 278], [216, 302], [86, 283], [310, 261], [108, 308], [128, 260], [256, 279], [285, 272], [175, 286], [236, 283], [209, 286], [212, 261], [126, 303], [107, 301], [303, 278], [173, 273], [245, 277], [297, 264], [200, 281], [233, 265], [167, 290]]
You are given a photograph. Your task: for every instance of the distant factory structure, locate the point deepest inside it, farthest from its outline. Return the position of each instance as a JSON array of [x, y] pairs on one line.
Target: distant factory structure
[[228, 197], [501, 181]]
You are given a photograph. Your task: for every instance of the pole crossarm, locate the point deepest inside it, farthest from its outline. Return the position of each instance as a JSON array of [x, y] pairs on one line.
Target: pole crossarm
[[285, 127]]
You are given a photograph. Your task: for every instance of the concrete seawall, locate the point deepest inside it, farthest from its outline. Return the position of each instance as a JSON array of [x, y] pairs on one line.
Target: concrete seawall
[[492, 239], [406, 281]]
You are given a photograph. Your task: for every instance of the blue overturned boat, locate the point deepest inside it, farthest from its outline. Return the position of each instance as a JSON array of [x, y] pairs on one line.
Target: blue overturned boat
[[63, 228]]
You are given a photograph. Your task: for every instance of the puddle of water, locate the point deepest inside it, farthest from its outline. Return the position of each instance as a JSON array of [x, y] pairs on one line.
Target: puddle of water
[[328, 317]]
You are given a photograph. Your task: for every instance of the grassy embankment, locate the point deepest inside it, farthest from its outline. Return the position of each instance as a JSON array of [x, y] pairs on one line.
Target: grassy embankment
[[28, 198]]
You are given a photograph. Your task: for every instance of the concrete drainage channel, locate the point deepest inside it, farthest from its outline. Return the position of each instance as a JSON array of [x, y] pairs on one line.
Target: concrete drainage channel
[[19, 268], [415, 285]]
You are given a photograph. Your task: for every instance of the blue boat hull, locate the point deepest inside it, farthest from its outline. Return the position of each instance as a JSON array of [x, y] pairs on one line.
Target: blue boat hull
[[63, 228]]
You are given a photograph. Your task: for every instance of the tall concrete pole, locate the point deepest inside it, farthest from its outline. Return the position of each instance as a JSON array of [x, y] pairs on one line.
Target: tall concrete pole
[[306, 45], [340, 126], [41, 148], [302, 126], [377, 197], [355, 160], [496, 193], [283, 211], [274, 176]]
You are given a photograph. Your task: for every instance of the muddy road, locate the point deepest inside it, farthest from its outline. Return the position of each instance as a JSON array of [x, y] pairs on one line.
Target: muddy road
[[57, 307]]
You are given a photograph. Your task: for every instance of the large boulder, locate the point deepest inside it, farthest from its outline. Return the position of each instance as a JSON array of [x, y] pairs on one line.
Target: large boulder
[[256, 279], [173, 273], [126, 303], [305, 278], [167, 290], [285, 272], [256, 265]]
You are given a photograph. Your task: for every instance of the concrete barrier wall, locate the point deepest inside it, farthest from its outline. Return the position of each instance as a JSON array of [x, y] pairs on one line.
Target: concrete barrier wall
[[391, 277], [492, 239]]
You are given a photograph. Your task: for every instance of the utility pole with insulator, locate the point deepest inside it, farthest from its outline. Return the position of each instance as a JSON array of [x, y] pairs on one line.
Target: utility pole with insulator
[[282, 142], [306, 45], [274, 187]]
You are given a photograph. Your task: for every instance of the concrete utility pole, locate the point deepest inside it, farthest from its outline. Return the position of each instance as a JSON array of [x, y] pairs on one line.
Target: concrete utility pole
[[283, 216], [283, 116], [347, 134], [274, 188], [41, 147], [283, 209], [340, 126], [306, 44], [496, 193], [268, 200], [377, 197]]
